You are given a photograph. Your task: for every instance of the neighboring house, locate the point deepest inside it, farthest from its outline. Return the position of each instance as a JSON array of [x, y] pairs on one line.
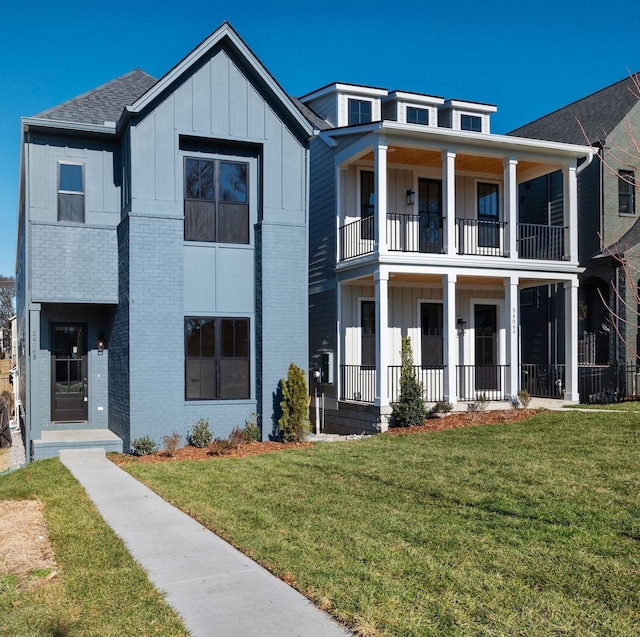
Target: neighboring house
[[162, 253], [448, 263], [609, 120]]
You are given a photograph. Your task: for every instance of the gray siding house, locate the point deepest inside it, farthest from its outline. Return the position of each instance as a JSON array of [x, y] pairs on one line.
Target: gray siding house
[[609, 120], [162, 253]]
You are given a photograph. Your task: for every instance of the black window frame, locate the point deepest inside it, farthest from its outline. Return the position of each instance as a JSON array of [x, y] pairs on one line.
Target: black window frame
[[626, 192], [71, 199], [431, 336], [488, 222], [367, 209], [471, 123], [216, 215], [217, 369], [367, 333], [359, 111], [414, 113]]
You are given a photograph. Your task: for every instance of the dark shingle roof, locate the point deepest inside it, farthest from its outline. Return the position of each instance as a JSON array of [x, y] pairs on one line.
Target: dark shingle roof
[[598, 114], [104, 103], [315, 120]]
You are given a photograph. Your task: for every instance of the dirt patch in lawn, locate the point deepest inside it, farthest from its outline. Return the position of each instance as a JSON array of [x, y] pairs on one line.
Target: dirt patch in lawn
[[460, 419], [26, 555]]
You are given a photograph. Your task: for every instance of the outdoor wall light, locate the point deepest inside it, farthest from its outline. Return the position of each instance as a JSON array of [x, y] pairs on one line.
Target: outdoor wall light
[[411, 197], [461, 324], [100, 345]]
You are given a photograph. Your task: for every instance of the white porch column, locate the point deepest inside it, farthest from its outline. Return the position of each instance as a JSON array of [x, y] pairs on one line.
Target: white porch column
[[380, 175], [511, 205], [449, 200], [450, 338], [382, 338], [571, 340], [512, 323], [570, 201]]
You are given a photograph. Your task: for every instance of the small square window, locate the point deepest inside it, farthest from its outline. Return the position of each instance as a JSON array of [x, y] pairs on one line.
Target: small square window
[[626, 192], [359, 112], [417, 116], [70, 193], [471, 123]]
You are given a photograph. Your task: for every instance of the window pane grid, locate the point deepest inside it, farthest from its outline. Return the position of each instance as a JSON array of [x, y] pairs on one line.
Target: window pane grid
[[626, 192]]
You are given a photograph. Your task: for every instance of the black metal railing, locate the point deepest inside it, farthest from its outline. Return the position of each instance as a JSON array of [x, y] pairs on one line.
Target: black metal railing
[[356, 238], [481, 237], [543, 381], [608, 383], [358, 383], [476, 381], [415, 233], [536, 241], [431, 379]]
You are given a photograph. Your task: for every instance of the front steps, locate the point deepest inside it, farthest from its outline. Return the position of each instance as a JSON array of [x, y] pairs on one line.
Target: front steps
[[52, 442]]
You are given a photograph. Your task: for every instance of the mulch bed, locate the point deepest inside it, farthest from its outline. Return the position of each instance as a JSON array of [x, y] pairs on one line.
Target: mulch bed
[[219, 449]]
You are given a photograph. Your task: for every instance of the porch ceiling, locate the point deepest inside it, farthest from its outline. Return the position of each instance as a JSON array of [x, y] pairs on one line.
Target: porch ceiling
[[467, 163]]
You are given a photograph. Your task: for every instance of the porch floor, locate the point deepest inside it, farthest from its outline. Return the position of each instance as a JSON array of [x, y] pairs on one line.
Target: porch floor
[[51, 442]]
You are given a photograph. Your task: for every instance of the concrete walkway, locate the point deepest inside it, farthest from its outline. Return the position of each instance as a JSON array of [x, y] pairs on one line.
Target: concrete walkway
[[217, 590]]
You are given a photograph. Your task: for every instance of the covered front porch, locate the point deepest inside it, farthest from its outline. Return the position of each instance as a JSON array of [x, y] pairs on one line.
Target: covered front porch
[[464, 327]]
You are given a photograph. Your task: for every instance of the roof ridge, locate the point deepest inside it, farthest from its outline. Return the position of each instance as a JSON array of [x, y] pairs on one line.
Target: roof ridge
[[581, 99], [92, 91]]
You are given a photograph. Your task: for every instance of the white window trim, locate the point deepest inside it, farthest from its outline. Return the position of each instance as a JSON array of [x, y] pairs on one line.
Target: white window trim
[[470, 332], [63, 162], [479, 180]]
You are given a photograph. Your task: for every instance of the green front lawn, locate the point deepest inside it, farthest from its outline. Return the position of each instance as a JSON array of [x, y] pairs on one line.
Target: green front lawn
[[514, 529], [99, 589], [630, 405]]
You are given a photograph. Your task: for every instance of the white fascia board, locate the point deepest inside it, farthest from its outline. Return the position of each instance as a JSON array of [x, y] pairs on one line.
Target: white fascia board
[[468, 142], [471, 106], [350, 89], [416, 98], [226, 30], [39, 122]]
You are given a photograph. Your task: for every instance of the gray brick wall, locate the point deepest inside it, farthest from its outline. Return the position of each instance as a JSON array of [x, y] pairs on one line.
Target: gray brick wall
[[73, 263]]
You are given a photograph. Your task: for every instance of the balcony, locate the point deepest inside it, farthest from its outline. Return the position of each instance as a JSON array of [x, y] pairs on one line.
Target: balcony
[[425, 234]]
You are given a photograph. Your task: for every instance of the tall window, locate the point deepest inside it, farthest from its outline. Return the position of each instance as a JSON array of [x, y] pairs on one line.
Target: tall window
[[471, 123], [216, 201], [431, 328], [367, 208], [488, 215], [359, 112], [368, 333], [70, 193], [217, 365], [417, 116], [626, 192]]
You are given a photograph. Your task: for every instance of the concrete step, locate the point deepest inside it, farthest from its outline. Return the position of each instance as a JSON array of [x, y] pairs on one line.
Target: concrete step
[[51, 443]]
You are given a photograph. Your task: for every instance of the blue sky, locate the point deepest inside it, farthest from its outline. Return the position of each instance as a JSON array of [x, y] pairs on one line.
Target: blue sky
[[526, 58]]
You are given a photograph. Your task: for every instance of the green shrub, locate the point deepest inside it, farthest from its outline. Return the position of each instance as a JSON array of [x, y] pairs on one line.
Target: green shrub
[[143, 446], [410, 409], [294, 422], [171, 443], [200, 435], [251, 430], [441, 407]]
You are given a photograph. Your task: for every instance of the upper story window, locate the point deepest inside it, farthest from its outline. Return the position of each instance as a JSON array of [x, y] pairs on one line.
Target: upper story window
[[488, 215], [367, 204], [216, 200], [359, 111], [471, 123], [70, 192], [626, 192], [417, 115]]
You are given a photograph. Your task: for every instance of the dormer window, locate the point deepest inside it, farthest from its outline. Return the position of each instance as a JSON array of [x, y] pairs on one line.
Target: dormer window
[[359, 111], [417, 116], [471, 123]]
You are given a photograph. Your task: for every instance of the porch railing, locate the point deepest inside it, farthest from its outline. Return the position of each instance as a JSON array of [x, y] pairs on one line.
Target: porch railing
[[415, 233], [608, 383], [358, 383], [537, 241], [477, 381], [431, 379], [425, 234], [543, 381], [481, 237]]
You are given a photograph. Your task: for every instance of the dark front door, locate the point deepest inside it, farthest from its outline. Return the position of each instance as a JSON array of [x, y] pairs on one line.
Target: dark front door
[[486, 346], [69, 372], [430, 211]]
